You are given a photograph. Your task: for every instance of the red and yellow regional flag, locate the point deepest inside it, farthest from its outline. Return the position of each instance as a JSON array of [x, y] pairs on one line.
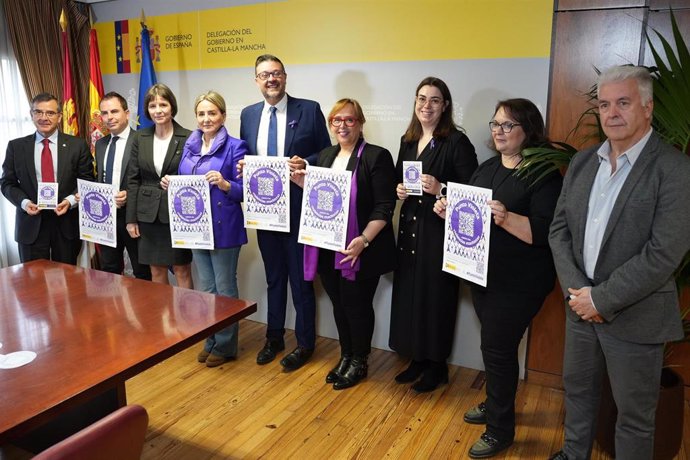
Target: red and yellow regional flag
[[69, 108], [97, 128]]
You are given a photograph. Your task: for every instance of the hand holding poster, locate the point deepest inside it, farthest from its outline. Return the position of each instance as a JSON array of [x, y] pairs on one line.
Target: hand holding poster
[[97, 213], [466, 239], [325, 208], [266, 184], [189, 206]]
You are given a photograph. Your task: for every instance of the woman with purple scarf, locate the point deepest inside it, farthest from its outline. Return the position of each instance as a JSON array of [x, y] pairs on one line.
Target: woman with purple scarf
[[212, 152], [350, 277]]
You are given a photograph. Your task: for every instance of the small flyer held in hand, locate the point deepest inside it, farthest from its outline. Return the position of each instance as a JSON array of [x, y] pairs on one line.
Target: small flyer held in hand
[[412, 177], [47, 195]]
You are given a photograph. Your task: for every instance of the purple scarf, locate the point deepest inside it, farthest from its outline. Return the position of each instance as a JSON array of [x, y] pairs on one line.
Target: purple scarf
[[311, 253]]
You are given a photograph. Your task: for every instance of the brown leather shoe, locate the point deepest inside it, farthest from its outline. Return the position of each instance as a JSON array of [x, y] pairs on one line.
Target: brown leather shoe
[[201, 357], [214, 360]]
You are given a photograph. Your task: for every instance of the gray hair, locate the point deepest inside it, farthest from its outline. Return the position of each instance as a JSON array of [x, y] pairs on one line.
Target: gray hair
[[627, 72]]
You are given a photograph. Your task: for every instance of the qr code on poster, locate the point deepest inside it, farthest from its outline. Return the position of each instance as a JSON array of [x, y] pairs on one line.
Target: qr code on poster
[[265, 186], [466, 223], [188, 205], [325, 202]]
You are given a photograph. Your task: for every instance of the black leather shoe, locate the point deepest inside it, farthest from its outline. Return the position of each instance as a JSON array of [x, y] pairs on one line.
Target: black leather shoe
[[296, 358], [339, 369], [560, 455], [269, 351], [412, 373], [436, 374], [476, 415], [488, 446], [354, 374]]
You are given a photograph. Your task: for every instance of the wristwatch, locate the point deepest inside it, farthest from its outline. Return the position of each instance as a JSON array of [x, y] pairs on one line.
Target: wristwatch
[[443, 192], [365, 239]]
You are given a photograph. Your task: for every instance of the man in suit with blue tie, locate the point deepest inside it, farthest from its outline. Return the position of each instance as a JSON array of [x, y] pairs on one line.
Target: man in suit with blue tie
[[621, 228], [112, 158], [282, 125], [46, 156]]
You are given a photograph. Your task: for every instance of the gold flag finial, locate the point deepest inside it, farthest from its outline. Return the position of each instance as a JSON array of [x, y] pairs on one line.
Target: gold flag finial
[[63, 21], [143, 18]]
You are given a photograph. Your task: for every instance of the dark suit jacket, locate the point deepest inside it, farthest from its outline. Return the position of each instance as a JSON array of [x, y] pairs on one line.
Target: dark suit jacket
[[146, 200], [376, 198], [19, 182], [101, 146], [646, 237], [305, 136]]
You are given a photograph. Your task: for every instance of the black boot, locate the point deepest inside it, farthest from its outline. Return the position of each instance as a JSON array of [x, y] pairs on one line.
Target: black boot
[[436, 374], [355, 372], [413, 372], [339, 369]]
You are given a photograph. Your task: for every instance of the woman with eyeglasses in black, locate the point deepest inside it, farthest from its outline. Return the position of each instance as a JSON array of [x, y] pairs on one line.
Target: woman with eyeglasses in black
[[520, 271], [425, 298], [350, 277]]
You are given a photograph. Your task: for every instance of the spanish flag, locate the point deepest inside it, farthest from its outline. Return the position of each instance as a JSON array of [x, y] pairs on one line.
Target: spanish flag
[[69, 108], [97, 128]]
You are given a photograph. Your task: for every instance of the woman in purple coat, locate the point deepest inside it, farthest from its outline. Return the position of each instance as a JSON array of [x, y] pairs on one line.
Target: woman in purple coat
[[212, 152]]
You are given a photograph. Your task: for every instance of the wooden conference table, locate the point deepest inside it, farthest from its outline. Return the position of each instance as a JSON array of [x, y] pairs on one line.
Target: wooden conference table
[[91, 331]]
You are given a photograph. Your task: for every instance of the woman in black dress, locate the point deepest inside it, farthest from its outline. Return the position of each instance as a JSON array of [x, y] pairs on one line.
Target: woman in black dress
[[425, 299], [520, 273], [156, 151]]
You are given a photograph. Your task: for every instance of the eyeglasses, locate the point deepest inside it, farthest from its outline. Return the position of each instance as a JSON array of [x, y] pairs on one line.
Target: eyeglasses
[[506, 126], [275, 74], [434, 101], [41, 113], [349, 121]]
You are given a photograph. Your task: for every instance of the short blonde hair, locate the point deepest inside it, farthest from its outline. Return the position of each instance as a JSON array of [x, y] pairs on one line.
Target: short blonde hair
[[212, 97]]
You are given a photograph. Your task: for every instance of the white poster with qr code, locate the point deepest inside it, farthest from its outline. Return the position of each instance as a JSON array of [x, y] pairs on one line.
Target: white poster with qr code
[[97, 213], [467, 233], [325, 208], [189, 209], [266, 183]]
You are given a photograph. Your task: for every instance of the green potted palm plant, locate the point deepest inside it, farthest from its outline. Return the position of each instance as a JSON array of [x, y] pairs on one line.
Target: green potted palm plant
[[671, 80]]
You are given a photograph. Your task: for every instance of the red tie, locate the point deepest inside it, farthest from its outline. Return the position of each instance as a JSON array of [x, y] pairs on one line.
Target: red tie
[[47, 171]]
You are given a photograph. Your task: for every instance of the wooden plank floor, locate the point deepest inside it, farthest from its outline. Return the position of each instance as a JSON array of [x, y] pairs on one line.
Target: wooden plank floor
[[242, 410]]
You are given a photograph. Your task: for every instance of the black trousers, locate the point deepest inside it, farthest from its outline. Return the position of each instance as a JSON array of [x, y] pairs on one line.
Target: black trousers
[[112, 258], [353, 310], [504, 317], [50, 244]]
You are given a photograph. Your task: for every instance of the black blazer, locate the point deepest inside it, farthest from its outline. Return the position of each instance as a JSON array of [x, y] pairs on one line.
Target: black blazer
[[376, 200], [146, 200], [19, 182]]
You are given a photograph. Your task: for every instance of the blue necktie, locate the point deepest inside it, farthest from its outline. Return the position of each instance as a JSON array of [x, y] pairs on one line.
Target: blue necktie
[[110, 161], [273, 133]]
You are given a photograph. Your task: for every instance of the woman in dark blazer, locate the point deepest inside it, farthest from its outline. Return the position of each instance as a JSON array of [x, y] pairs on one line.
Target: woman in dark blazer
[[156, 151], [350, 277]]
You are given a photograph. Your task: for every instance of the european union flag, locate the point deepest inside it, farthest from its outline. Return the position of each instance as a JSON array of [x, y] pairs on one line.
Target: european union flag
[[147, 78]]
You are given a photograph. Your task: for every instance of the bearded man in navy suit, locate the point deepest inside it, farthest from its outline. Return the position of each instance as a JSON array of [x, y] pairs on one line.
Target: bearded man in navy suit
[[46, 156], [282, 125]]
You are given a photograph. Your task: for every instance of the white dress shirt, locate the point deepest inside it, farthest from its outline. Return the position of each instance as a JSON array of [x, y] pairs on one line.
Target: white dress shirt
[[119, 156]]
